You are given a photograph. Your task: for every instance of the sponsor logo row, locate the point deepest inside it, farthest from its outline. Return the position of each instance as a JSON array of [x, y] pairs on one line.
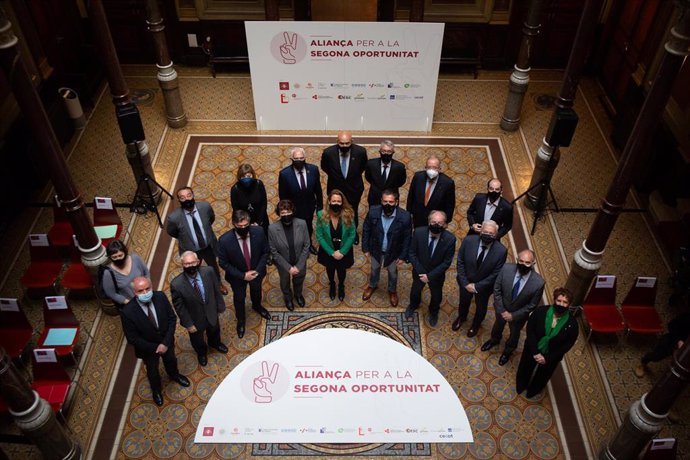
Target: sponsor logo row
[[286, 98], [361, 431], [286, 85]]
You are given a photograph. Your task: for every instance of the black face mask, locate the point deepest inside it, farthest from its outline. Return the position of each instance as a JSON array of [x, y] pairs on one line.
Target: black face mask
[[388, 209], [559, 310], [436, 229], [298, 164], [486, 238], [242, 232], [119, 263], [286, 220], [493, 196], [191, 271], [343, 150], [187, 204], [336, 208], [523, 269], [386, 158]]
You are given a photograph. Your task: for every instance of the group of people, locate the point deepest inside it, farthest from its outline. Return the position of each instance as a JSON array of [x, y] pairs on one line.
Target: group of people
[[390, 236]]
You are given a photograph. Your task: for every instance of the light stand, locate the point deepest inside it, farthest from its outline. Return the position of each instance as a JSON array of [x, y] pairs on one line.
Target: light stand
[[142, 204]]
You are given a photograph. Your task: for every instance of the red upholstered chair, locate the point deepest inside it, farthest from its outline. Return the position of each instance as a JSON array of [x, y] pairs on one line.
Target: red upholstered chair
[[76, 277], [61, 232], [51, 381], [45, 266], [638, 307], [61, 328], [105, 216], [15, 329], [662, 449], [599, 308]]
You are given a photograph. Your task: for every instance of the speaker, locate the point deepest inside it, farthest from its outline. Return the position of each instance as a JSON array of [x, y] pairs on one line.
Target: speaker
[[130, 123], [562, 128]]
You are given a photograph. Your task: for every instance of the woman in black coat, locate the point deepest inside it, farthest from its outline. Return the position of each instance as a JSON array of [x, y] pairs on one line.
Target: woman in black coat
[[249, 194], [551, 332]]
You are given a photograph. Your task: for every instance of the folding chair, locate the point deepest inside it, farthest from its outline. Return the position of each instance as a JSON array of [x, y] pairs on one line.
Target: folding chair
[[45, 266], [599, 308], [638, 307], [60, 234], [77, 277], [61, 328], [15, 329], [106, 220], [51, 381]]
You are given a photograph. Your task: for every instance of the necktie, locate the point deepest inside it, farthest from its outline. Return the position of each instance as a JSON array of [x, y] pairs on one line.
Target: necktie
[[343, 165], [427, 193], [385, 173], [201, 241], [480, 259], [150, 314], [247, 257], [302, 184], [195, 283], [516, 288], [432, 240]]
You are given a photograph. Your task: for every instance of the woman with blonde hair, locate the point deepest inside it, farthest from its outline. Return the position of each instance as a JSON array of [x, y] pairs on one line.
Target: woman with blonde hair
[[335, 232]]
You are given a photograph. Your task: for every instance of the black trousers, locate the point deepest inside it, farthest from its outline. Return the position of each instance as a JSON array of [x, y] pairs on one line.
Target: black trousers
[[435, 289], [331, 270], [152, 372], [533, 376], [663, 349], [239, 292], [208, 255], [514, 337], [198, 342], [481, 300]]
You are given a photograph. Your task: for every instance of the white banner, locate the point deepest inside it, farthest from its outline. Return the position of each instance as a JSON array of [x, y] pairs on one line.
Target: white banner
[[334, 386], [344, 75]]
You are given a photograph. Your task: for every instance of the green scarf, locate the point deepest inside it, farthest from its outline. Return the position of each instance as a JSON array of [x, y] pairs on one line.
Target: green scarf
[[551, 332]]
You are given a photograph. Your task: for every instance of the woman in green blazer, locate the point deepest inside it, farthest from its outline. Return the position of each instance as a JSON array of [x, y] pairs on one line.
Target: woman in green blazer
[[335, 232]]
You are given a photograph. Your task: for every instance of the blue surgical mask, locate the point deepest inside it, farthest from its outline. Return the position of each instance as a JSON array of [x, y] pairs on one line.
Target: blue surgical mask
[[146, 297]]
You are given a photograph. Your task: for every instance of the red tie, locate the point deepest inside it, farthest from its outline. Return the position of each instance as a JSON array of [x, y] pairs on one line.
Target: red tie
[[247, 257]]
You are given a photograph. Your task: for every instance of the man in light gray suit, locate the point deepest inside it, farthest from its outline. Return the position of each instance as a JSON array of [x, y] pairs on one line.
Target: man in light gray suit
[[517, 291], [191, 224], [198, 301], [289, 242]]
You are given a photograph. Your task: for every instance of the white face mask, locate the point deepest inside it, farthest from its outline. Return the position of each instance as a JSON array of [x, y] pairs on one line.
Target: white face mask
[[431, 174]]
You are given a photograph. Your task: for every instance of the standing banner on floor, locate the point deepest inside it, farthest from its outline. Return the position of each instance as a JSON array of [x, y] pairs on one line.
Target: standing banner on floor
[[344, 75], [334, 386]]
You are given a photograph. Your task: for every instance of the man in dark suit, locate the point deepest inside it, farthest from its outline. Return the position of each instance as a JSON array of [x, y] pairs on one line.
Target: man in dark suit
[[198, 301], [386, 242], [191, 224], [301, 184], [384, 173], [517, 291], [431, 253], [430, 190], [490, 206], [344, 164], [480, 259], [243, 253], [149, 323]]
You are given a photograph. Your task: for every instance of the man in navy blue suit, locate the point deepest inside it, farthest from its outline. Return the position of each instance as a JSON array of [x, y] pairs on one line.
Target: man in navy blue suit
[[430, 190], [386, 241], [301, 184], [431, 252], [490, 205], [243, 252]]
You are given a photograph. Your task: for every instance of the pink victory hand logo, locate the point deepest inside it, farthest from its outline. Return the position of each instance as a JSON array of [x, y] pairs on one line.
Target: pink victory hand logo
[[262, 394], [288, 47]]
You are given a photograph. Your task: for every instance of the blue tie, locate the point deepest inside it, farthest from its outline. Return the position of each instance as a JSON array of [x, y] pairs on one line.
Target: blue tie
[[343, 165], [431, 246], [516, 288]]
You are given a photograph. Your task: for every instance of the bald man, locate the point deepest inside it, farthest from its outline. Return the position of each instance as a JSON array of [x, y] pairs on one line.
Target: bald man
[[344, 163]]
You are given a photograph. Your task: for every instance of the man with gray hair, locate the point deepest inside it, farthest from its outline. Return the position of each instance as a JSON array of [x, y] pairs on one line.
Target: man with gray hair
[[384, 173], [301, 183], [480, 259]]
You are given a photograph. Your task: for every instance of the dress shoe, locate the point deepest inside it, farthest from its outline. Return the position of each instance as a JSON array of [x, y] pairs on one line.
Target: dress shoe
[[471, 332], [393, 298], [288, 303], [313, 250], [240, 330], [331, 290], [409, 312], [220, 347], [203, 360], [157, 397], [356, 240], [223, 289], [503, 359], [488, 345], [300, 301], [263, 313], [341, 292], [269, 260], [531, 394], [181, 380], [457, 323], [366, 295], [433, 319]]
